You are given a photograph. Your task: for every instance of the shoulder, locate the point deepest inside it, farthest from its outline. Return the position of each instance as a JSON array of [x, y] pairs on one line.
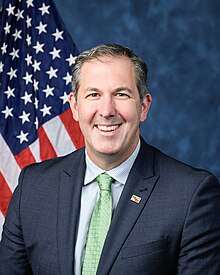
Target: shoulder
[[49, 166], [172, 169], [40, 180], [48, 172]]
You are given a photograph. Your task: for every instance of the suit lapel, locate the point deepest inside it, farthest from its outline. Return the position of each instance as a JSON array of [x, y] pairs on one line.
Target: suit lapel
[[71, 181], [141, 182]]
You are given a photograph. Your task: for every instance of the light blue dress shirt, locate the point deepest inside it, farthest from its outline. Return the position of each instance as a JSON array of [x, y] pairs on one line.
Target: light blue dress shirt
[[90, 195]]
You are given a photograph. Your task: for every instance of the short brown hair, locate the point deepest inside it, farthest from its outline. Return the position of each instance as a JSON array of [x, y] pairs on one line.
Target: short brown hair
[[112, 50]]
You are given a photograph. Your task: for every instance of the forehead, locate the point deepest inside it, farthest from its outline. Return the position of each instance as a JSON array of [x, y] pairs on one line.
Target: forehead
[[108, 62], [108, 74]]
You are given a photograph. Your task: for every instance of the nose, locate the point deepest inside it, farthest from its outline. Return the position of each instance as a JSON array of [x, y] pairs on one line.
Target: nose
[[107, 107]]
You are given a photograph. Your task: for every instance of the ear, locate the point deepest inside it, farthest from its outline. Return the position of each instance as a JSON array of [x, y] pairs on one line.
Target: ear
[[145, 106], [73, 106]]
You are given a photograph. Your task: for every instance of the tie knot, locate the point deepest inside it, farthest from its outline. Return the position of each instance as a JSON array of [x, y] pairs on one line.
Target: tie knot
[[104, 181]]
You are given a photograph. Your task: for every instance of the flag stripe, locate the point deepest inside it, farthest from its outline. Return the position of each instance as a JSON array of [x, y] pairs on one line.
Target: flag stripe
[[46, 148], [36, 60], [2, 218], [72, 128], [35, 150], [5, 195], [8, 166], [58, 136], [25, 158]]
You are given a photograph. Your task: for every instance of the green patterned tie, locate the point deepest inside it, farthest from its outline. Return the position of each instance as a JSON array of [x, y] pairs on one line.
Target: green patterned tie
[[99, 225]]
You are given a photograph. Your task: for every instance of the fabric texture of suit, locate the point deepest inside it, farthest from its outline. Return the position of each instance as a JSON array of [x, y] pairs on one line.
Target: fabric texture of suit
[[175, 229]]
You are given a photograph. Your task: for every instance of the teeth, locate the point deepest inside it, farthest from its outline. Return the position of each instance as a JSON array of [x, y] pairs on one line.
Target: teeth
[[107, 128]]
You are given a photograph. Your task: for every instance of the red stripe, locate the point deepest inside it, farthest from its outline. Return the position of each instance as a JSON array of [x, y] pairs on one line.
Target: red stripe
[[5, 195], [25, 158], [46, 148], [72, 128]]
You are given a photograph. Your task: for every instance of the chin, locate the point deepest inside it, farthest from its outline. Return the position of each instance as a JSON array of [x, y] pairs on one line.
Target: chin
[[107, 150]]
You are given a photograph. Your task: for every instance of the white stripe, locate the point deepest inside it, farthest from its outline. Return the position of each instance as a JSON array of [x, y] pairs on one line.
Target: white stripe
[[2, 219], [59, 136], [8, 165], [35, 150]]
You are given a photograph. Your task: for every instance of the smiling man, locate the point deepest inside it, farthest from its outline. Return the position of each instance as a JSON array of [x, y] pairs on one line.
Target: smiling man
[[109, 109], [119, 205]]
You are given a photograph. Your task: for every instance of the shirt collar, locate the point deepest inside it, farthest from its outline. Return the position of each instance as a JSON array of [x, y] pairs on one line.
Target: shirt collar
[[119, 173]]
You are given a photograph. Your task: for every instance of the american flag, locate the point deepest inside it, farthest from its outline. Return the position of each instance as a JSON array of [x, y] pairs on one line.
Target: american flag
[[36, 59]]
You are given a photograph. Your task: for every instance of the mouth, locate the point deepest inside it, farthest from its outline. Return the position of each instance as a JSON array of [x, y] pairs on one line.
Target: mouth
[[108, 128]]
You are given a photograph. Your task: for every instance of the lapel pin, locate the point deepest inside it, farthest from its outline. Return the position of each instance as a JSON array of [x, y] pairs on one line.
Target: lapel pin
[[135, 199]]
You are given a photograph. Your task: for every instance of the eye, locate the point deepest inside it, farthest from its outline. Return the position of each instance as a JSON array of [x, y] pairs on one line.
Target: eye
[[92, 95], [122, 95]]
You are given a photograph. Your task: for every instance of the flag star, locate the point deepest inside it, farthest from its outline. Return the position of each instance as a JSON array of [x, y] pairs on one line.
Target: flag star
[[64, 98], [26, 98], [17, 34], [36, 122], [28, 40], [36, 65], [10, 9], [67, 78], [4, 48], [36, 102], [28, 59], [48, 91], [41, 28], [22, 137], [44, 9], [19, 14], [7, 112], [7, 28], [71, 59], [14, 53], [55, 53], [39, 47], [58, 35], [10, 92], [30, 3], [25, 117], [1, 67], [28, 78], [52, 72], [28, 21], [12, 73], [36, 85], [46, 110]]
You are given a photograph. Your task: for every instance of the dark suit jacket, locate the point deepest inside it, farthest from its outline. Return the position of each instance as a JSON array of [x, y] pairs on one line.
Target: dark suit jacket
[[175, 229]]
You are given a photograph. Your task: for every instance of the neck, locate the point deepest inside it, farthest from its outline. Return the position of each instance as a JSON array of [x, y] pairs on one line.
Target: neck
[[109, 161]]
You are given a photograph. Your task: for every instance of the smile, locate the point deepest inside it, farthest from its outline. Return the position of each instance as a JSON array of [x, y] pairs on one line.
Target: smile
[[109, 128]]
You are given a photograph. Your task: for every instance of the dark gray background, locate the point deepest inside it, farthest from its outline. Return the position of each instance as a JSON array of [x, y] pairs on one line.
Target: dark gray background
[[180, 42]]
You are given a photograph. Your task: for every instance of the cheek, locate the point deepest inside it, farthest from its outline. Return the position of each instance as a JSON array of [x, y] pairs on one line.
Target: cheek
[[134, 113], [132, 116], [85, 114]]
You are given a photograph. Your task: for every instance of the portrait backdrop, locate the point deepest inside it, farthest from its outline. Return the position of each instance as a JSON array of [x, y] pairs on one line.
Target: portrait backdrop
[[180, 42]]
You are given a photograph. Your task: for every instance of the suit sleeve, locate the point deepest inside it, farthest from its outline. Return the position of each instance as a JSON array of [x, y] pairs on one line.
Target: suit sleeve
[[200, 244], [13, 257]]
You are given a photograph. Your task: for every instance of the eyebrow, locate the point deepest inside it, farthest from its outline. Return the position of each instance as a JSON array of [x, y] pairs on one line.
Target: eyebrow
[[91, 89], [119, 89], [123, 88]]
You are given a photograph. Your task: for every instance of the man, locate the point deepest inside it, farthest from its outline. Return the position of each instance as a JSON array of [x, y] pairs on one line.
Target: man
[[164, 215]]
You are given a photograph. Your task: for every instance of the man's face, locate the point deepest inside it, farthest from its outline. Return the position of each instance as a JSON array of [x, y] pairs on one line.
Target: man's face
[[109, 110]]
